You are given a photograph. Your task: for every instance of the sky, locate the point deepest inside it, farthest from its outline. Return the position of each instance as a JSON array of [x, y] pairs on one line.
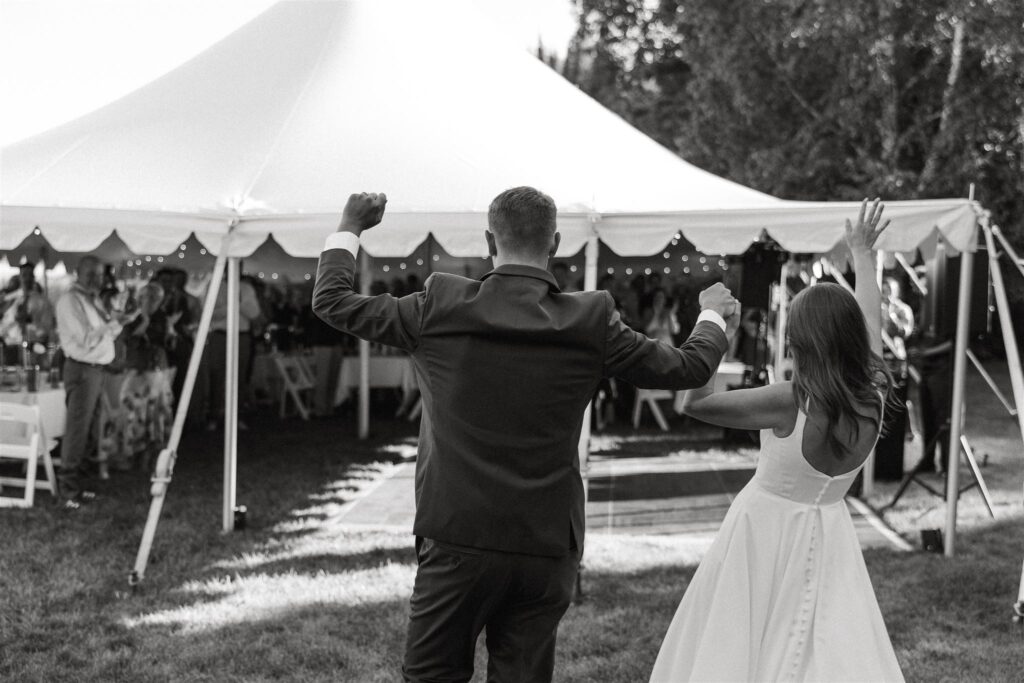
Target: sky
[[61, 59]]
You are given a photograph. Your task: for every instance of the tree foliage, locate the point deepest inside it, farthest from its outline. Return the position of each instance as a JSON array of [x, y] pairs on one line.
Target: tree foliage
[[821, 99]]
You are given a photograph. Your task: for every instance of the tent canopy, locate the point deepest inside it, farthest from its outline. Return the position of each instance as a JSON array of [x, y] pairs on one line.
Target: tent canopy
[[268, 131]]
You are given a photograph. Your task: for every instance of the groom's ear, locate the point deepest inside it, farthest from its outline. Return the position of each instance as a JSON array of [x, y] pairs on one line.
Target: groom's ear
[[554, 244], [492, 246]]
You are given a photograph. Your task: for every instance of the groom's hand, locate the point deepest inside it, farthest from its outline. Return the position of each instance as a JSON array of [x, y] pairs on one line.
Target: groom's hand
[[719, 299], [362, 212]]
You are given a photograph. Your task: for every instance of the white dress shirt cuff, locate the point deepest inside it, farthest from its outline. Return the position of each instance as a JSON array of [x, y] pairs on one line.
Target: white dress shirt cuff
[[343, 240], [708, 315]]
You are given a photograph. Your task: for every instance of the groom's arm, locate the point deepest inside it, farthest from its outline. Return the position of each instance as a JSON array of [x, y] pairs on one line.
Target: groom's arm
[[650, 364], [384, 319]]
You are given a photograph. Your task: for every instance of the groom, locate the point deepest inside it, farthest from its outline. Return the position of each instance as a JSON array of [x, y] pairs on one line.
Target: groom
[[506, 366]]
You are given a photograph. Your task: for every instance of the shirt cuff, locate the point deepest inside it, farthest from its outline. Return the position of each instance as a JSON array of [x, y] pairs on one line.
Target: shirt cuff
[[343, 240], [707, 315]]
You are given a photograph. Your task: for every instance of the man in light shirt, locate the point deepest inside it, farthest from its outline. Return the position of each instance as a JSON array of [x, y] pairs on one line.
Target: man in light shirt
[[87, 334]]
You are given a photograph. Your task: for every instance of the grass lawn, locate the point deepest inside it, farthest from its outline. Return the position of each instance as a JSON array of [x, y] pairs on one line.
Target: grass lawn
[[299, 596]]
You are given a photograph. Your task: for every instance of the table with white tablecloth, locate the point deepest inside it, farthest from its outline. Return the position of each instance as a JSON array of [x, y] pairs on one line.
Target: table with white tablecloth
[[52, 408], [385, 372]]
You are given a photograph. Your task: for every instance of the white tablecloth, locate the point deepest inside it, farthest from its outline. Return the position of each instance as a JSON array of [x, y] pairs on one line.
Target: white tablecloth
[[385, 371], [51, 407]]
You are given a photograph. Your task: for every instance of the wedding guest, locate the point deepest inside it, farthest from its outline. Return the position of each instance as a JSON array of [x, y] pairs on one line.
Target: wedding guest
[[29, 315], [660, 318], [214, 357], [326, 342], [177, 309], [146, 394], [87, 335]]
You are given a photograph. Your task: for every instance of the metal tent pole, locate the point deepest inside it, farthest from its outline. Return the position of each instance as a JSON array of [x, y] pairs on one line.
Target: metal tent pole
[[364, 353], [164, 469], [589, 284], [231, 399], [780, 327], [956, 414]]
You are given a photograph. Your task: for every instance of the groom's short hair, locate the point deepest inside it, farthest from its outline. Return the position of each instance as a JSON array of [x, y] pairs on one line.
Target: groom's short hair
[[522, 220]]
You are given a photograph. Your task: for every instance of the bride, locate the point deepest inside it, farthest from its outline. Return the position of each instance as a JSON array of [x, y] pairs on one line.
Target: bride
[[783, 592]]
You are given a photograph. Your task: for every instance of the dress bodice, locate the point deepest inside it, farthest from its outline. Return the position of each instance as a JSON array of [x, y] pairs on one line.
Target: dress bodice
[[783, 471]]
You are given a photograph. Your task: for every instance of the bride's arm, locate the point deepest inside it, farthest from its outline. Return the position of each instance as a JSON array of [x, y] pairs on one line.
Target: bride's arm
[[861, 237], [767, 407]]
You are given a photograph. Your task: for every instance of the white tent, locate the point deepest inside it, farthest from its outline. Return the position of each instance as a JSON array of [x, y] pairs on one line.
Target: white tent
[[268, 131]]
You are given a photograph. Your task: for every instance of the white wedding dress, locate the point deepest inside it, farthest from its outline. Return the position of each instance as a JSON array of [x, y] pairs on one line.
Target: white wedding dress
[[783, 593]]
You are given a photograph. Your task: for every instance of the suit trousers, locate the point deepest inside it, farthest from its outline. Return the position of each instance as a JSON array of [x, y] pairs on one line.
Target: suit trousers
[[83, 385], [460, 591]]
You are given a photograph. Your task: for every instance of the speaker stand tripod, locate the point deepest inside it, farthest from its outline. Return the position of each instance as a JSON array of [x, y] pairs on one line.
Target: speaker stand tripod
[[914, 476]]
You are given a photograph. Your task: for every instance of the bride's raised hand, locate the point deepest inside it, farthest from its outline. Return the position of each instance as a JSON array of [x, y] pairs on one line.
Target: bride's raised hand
[[863, 235]]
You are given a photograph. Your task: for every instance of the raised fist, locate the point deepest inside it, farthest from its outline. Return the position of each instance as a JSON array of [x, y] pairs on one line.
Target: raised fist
[[363, 211], [719, 299]]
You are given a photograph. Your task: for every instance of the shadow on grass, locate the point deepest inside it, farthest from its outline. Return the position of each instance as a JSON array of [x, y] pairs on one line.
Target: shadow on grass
[[298, 597]]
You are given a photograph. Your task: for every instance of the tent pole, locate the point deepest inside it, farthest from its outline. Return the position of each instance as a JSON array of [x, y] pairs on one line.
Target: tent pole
[[590, 254], [963, 323], [364, 353], [1010, 345], [1006, 323], [780, 322], [165, 462], [231, 398]]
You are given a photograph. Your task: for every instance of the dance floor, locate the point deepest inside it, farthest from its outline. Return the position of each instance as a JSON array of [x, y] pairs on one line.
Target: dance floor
[[677, 493]]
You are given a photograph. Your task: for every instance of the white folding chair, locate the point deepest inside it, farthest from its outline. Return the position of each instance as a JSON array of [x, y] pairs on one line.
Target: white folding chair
[[296, 383], [22, 438], [651, 398]]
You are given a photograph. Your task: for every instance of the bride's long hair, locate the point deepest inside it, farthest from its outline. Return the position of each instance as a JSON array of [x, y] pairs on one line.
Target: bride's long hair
[[833, 364]]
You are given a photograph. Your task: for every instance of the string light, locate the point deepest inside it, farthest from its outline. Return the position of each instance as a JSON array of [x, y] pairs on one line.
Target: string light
[[667, 270], [647, 271], [706, 269], [386, 269], [419, 262], [611, 271], [629, 271], [160, 259], [181, 256], [308, 277], [686, 270], [203, 252], [666, 254], [261, 275], [436, 258], [685, 258], [148, 259], [572, 269], [703, 260], [183, 245], [402, 266], [274, 276]]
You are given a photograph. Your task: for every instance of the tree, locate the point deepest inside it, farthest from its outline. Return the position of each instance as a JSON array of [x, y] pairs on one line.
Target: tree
[[821, 99]]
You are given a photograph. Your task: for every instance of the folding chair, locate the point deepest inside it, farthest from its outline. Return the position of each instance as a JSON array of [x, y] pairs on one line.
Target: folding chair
[[296, 382], [651, 398], [22, 438]]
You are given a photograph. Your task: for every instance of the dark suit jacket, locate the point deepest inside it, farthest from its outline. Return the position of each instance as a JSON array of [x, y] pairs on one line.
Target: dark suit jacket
[[506, 366]]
